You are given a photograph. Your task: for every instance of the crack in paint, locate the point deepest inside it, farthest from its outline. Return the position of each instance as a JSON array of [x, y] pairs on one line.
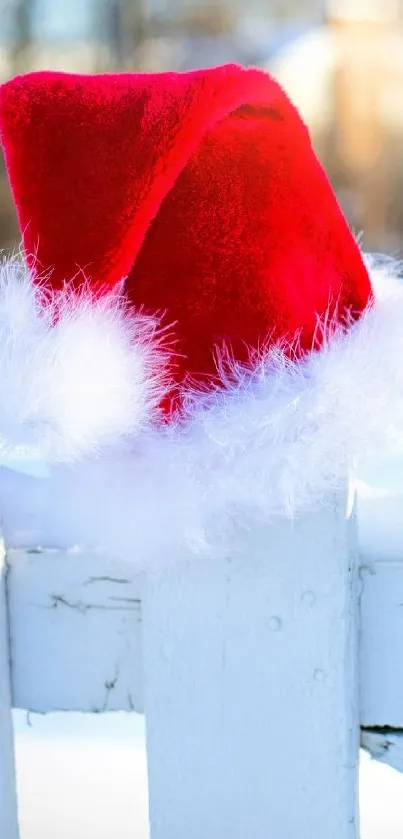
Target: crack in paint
[[81, 607], [107, 579]]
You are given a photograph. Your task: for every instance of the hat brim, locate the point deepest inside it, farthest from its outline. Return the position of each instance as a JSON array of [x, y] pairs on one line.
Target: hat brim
[[280, 437]]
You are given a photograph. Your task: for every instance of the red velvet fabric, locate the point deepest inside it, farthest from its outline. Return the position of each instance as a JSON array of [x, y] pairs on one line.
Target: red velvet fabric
[[202, 188]]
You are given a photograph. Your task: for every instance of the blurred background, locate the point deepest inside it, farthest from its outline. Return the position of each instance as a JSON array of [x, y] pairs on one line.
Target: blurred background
[[341, 61]]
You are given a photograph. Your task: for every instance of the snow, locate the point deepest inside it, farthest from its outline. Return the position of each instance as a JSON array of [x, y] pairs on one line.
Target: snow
[[83, 776]]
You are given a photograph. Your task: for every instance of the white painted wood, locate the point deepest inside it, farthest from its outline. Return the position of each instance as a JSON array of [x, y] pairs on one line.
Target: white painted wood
[[75, 632], [386, 747], [72, 634], [250, 687], [381, 647], [8, 797]]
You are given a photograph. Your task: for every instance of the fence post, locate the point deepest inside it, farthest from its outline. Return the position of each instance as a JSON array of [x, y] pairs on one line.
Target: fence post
[[8, 794], [251, 686]]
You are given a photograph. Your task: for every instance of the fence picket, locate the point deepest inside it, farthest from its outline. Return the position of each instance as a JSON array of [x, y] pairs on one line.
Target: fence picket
[[250, 687], [8, 795]]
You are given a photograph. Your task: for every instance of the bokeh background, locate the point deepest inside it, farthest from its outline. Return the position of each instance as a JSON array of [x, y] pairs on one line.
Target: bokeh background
[[342, 63], [341, 60]]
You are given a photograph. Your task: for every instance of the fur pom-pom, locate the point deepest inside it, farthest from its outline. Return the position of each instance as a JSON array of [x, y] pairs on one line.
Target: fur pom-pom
[[76, 373]]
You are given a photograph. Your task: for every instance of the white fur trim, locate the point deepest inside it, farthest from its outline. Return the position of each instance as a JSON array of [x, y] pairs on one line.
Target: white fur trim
[[284, 437], [279, 440], [76, 374]]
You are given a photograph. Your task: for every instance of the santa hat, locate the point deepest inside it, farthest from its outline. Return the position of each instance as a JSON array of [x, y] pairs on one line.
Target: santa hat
[[189, 292]]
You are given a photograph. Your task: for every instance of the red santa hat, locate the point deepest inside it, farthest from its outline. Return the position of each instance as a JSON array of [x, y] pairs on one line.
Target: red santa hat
[[189, 291]]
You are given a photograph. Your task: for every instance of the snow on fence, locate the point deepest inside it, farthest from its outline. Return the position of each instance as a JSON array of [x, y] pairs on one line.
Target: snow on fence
[[256, 673]]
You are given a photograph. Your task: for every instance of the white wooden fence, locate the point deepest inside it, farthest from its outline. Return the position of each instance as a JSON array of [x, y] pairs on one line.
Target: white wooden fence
[[256, 673]]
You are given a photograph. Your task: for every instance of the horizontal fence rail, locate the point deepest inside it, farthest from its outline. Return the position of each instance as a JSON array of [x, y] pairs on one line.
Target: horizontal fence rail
[[76, 635]]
